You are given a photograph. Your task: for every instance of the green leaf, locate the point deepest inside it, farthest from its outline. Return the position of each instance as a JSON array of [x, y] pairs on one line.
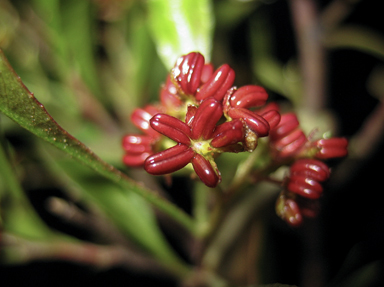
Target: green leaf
[[180, 27], [19, 104], [19, 216], [128, 211], [230, 13], [376, 82], [274, 75], [358, 38]]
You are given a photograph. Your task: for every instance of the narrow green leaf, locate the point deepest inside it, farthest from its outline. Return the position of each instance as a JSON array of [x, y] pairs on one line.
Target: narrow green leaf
[[19, 215], [19, 104], [179, 27], [129, 212], [358, 38], [274, 75]]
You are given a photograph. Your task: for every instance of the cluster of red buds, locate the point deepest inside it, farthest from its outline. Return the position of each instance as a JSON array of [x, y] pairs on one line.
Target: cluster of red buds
[[202, 115]]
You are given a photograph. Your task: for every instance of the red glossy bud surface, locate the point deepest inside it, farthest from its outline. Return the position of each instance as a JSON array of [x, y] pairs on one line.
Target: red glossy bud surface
[[255, 122], [218, 84], [205, 171], [206, 73], [289, 210], [305, 187], [272, 117], [207, 115], [228, 133], [249, 96], [136, 159], [311, 168], [190, 115], [269, 107], [288, 123], [292, 213], [141, 118], [168, 95], [290, 144], [137, 143], [187, 72], [172, 128], [305, 177], [169, 160], [331, 148]]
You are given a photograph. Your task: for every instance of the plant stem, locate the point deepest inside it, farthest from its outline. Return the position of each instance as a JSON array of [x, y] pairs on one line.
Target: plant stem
[[310, 52]]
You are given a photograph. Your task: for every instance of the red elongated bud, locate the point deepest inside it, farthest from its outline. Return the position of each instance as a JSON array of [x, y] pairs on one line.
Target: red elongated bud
[[310, 168], [228, 133], [255, 122], [137, 144], [249, 96], [226, 101], [205, 171], [331, 148], [207, 115], [305, 187], [187, 72], [169, 160], [141, 117], [272, 117], [305, 177], [289, 210], [172, 128], [168, 95], [269, 107], [288, 123], [218, 84], [136, 159], [190, 115], [206, 73], [290, 144]]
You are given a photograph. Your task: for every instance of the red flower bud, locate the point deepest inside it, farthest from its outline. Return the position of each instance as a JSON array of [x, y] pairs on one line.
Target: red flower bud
[[305, 177], [207, 115], [272, 117], [206, 73], [331, 148], [228, 133], [305, 186], [187, 72], [190, 115], [289, 210], [287, 138], [205, 171], [288, 123], [169, 160], [218, 84], [168, 95], [141, 117], [138, 143], [249, 96], [272, 106], [172, 128], [311, 168], [136, 159], [290, 144], [255, 122]]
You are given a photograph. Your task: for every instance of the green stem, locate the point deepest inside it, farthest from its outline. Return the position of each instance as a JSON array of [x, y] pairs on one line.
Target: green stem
[[200, 209], [243, 171]]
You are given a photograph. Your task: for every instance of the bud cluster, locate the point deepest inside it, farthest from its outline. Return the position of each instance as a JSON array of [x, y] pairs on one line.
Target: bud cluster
[[201, 115]]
